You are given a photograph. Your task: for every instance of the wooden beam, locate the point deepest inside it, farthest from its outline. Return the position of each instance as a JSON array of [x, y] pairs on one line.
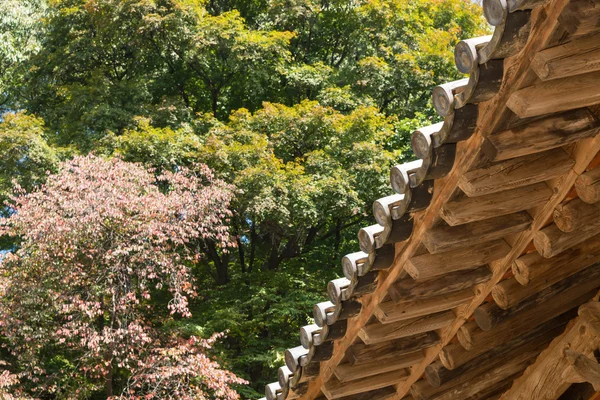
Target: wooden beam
[[388, 311], [471, 209], [556, 95], [489, 315], [588, 186], [349, 372], [521, 348], [516, 172], [454, 355], [359, 354], [472, 336], [584, 368], [334, 389], [427, 266], [537, 273], [581, 17], [579, 56], [575, 215], [545, 379], [446, 238], [408, 290], [541, 135], [551, 241], [381, 333]]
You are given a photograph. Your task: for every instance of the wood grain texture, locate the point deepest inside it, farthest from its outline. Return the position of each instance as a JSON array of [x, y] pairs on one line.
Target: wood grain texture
[[471, 209], [556, 95], [541, 135], [579, 56]]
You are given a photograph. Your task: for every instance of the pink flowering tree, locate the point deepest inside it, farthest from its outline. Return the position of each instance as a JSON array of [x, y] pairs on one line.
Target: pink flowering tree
[[102, 264]]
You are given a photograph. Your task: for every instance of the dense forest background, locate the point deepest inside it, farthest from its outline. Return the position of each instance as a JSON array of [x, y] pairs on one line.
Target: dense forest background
[[301, 105]]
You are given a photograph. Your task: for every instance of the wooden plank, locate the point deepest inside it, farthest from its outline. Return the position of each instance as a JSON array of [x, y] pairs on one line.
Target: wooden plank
[[388, 312], [541, 135], [428, 266], [349, 372], [545, 378], [516, 172], [446, 238], [334, 389], [381, 333], [579, 56], [556, 95], [471, 209], [408, 290], [584, 368]]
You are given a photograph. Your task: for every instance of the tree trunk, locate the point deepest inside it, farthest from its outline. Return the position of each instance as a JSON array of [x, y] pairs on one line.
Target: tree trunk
[[241, 255], [221, 264], [273, 261]]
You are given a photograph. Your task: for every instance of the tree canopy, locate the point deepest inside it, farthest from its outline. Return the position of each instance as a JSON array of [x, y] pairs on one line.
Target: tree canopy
[[299, 106]]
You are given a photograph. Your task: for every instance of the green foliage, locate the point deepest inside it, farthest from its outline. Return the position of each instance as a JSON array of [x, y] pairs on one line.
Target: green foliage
[[25, 156]]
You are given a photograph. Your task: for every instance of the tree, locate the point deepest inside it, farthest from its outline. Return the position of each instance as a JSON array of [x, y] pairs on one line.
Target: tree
[[20, 32], [25, 155], [101, 267]]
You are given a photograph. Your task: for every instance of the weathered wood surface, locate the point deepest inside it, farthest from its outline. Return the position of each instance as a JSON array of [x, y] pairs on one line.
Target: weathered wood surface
[[428, 266], [516, 172], [447, 238], [380, 333], [408, 290], [551, 241], [526, 346], [556, 95], [454, 355], [472, 336], [471, 209], [579, 56], [484, 384], [581, 17], [541, 135], [489, 315], [349, 372], [588, 186], [334, 389], [388, 312], [575, 215], [583, 368], [534, 273], [545, 379], [359, 354]]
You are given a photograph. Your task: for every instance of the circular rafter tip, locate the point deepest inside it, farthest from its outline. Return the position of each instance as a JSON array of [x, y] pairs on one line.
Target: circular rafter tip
[[466, 53], [284, 375], [495, 11], [353, 264], [400, 176], [443, 96], [424, 140], [272, 391], [367, 237], [306, 334], [320, 312], [292, 357], [337, 290], [390, 208]]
